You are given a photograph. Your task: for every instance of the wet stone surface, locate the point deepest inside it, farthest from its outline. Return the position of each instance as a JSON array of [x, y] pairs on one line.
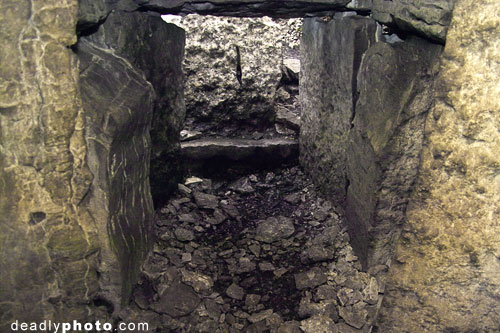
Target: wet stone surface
[[262, 253]]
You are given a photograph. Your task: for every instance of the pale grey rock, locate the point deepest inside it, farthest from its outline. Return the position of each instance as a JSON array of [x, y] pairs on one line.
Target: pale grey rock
[[198, 281], [184, 234], [263, 315], [204, 200], [235, 291], [187, 135], [177, 300], [213, 91], [240, 149], [318, 324], [274, 228], [310, 279]]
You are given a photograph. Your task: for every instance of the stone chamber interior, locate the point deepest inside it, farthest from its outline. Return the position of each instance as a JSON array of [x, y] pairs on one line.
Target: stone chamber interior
[[282, 166], [246, 242]]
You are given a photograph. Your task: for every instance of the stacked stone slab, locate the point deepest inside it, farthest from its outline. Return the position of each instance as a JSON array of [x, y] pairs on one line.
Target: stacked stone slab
[[427, 18]]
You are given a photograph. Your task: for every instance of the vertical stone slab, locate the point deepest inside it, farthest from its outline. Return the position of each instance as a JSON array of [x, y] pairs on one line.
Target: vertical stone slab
[[48, 242], [118, 104], [331, 54], [131, 78], [445, 276], [395, 87], [156, 49]]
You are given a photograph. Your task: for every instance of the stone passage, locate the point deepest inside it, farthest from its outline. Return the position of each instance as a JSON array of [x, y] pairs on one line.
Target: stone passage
[[401, 137], [262, 253]]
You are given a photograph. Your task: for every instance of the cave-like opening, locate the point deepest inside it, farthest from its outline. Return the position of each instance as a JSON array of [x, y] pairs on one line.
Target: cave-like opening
[[246, 242]]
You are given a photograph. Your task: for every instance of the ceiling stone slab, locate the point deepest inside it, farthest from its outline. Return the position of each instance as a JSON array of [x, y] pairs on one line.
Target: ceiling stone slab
[[243, 8]]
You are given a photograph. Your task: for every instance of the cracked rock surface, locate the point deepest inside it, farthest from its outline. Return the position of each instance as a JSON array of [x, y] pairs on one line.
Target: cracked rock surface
[[262, 253]]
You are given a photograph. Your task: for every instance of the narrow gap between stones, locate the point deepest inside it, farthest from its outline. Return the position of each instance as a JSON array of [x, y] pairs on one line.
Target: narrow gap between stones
[[246, 243]]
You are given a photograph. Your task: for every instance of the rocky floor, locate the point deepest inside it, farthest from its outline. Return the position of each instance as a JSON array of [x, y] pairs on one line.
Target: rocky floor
[[263, 253]]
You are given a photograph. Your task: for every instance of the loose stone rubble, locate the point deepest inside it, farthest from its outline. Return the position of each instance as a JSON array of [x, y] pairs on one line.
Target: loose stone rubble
[[262, 253]]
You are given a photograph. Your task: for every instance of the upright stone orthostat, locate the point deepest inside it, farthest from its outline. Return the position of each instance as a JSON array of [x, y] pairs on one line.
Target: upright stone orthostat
[[395, 88], [445, 275], [130, 75], [156, 49], [364, 105], [118, 104], [331, 54]]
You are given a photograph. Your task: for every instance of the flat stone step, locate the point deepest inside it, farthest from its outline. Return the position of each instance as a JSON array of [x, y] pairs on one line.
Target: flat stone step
[[274, 149]]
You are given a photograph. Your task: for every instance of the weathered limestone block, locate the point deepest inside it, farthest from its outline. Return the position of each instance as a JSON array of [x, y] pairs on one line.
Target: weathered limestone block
[[429, 18], [157, 49], [395, 88], [445, 276], [118, 104], [48, 242], [213, 91], [331, 54]]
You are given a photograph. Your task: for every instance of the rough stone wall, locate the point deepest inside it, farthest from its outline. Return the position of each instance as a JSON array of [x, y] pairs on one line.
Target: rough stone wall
[[445, 276], [213, 91], [48, 240], [331, 53]]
